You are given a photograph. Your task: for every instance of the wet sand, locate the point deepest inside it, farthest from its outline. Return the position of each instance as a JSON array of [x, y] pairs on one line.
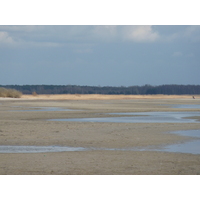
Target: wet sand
[[32, 128]]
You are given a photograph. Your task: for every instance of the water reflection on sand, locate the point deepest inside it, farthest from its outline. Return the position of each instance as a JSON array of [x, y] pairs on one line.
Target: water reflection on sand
[[192, 146], [33, 109], [142, 117], [187, 106], [37, 149]]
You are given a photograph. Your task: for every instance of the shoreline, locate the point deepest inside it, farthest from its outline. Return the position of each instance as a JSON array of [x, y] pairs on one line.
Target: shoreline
[[105, 97]]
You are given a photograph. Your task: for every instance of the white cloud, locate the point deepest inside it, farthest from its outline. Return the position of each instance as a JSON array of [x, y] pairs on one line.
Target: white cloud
[[140, 33], [63, 35], [5, 38], [23, 36], [21, 28], [54, 36], [121, 33]]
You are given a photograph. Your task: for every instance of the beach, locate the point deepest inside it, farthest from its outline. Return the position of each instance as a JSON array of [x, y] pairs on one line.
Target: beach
[[25, 122]]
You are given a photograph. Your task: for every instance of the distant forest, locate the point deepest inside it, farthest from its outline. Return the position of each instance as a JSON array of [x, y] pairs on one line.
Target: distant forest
[[134, 90]]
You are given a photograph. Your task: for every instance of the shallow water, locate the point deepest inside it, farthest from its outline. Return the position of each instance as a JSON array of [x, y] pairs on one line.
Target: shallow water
[[142, 117], [189, 133], [192, 146], [187, 106], [38, 149], [33, 109]]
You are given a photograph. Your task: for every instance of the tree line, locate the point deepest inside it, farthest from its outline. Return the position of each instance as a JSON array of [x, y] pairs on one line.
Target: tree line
[[130, 90]]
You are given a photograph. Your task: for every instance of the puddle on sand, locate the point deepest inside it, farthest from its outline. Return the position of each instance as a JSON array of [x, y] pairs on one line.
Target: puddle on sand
[[189, 133], [192, 146], [38, 149], [187, 106], [142, 117], [33, 109]]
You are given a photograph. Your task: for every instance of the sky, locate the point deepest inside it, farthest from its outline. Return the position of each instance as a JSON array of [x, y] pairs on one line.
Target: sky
[[99, 55]]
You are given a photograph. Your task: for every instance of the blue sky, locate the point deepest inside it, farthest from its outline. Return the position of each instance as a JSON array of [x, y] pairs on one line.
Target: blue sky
[[95, 55]]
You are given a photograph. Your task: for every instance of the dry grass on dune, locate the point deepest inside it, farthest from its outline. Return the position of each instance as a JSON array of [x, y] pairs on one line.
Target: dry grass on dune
[[10, 93]]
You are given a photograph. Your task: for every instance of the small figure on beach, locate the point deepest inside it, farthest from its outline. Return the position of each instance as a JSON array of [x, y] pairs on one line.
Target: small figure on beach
[[193, 97]]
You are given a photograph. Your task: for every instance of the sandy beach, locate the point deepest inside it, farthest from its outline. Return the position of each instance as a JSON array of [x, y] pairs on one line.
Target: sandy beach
[[21, 123]]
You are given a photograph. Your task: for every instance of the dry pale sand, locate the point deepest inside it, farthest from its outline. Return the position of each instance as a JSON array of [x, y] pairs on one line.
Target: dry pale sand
[[32, 128], [104, 97]]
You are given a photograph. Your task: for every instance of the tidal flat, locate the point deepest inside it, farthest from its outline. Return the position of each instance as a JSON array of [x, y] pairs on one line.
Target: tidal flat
[[20, 127]]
